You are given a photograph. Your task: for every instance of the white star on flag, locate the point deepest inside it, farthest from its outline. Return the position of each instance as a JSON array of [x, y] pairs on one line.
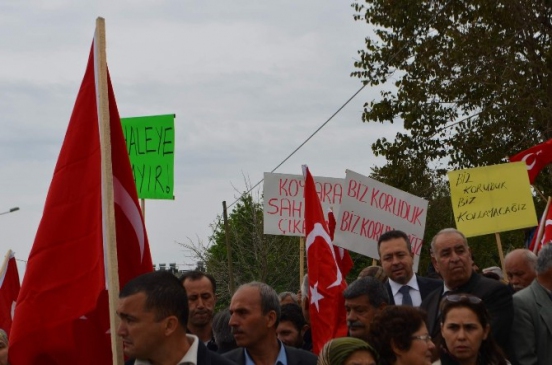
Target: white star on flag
[[315, 296]]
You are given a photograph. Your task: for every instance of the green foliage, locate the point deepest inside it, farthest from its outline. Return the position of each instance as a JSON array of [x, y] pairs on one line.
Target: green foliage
[[471, 85], [255, 256]]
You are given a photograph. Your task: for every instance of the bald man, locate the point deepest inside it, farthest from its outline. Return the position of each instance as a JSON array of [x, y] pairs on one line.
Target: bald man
[[520, 268]]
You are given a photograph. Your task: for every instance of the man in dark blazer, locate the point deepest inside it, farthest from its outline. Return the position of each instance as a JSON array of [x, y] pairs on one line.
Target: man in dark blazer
[[153, 309], [254, 317], [531, 336], [451, 257], [397, 261]]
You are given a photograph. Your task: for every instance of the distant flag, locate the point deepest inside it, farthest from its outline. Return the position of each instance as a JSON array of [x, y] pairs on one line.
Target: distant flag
[[62, 314], [9, 290], [535, 158], [543, 234], [342, 255], [326, 282]]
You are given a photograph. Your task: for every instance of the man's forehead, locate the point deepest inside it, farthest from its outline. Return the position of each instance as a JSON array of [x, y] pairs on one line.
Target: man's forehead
[[361, 300], [202, 282], [447, 240], [246, 296]]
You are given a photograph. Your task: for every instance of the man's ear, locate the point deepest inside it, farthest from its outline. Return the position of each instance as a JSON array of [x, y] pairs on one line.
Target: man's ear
[[171, 324], [304, 329], [271, 318], [434, 262]]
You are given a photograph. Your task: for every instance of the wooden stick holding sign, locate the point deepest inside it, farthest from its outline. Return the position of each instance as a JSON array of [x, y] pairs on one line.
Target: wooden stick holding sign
[[500, 252]]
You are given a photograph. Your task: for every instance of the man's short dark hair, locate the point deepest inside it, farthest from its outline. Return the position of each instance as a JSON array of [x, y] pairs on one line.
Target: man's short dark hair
[[293, 313], [389, 235], [194, 275], [370, 286], [165, 295]]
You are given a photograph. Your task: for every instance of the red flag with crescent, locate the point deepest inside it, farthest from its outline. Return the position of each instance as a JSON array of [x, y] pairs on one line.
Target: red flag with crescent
[[326, 282], [62, 313], [535, 158]]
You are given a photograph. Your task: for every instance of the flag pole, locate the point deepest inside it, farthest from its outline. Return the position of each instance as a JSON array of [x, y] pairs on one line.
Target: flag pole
[[500, 252], [301, 261], [107, 188], [5, 263], [542, 225]]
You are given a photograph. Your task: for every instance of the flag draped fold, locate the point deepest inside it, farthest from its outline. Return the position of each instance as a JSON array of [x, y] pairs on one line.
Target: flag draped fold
[[543, 233], [326, 282], [342, 255], [9, 290], [535, 158], [62, 314]]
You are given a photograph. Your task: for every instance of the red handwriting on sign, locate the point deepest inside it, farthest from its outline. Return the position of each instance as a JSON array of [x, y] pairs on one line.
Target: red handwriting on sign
[[291, 187], [285, 207], [291, 225], [416, 244], [330, 193], [358, 191], [363, 226], [397, 207]]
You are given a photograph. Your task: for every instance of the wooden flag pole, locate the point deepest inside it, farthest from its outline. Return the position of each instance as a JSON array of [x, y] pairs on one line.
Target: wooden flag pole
[[301, 261], [108, 202], [228, 249], [500, 252], [5, 263], [542, 224]]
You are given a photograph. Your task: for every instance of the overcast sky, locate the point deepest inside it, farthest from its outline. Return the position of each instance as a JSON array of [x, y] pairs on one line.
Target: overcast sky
[[248, 81]]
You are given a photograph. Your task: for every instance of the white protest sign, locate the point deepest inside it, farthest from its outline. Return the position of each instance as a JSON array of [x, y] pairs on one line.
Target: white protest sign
[[370, 208], [283, 201]]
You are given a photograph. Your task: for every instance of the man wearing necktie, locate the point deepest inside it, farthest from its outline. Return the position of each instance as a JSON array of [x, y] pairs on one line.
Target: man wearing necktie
[[397, 260]]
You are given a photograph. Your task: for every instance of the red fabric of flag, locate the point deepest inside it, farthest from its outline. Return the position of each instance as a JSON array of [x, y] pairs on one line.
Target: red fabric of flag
[[62, 312], [9, 290], [546, 223], [535, 158], [342, 255], [326, 282]]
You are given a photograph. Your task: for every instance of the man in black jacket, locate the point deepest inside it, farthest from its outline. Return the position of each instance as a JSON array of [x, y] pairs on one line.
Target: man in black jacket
[[153, 309], [452, 259], [254, 317]]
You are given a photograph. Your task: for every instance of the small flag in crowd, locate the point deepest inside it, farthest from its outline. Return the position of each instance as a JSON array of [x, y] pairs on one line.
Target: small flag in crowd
[[9, 290], [326, 282]]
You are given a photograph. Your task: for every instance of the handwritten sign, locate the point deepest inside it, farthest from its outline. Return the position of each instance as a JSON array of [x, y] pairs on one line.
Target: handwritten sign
[[284, 206], [150, 146], [492, 199], [370, 208]]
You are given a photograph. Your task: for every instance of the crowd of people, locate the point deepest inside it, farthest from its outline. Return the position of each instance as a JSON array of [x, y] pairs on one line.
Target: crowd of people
[[394, 316]]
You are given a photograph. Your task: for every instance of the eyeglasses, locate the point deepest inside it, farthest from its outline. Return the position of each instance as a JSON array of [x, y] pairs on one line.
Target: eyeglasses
[[426, 338], [455, 298]]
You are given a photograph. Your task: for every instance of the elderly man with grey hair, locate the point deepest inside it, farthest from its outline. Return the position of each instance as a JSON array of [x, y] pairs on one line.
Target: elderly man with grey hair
[[531, 335], [451, 257], [364, 298], [254, 317], [520, 268]]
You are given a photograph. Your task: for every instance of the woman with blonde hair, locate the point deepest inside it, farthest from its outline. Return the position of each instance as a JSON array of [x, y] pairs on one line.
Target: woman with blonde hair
[[347, 351]]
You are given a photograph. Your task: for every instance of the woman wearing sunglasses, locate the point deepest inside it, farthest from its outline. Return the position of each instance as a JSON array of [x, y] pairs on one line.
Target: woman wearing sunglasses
[[400, 336], [465, 331]]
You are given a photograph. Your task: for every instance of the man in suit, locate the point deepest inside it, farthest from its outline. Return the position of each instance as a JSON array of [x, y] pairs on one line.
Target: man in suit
[[451, 258], [397, 260], [254, 317], [153, 309], [531, 336]]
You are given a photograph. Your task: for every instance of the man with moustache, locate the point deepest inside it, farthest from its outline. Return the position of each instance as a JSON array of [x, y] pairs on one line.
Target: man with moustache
[[397, 260], [451, 258], [364, 298], [154, 312], [254, 317], [200, 288], [520, 268]]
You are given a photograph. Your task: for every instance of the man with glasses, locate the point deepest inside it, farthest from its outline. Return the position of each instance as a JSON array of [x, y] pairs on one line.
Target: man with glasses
[[451, 258]]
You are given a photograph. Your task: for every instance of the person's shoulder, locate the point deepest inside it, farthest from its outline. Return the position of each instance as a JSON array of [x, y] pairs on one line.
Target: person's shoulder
[[218, 359], [233, 355], [301, 356]]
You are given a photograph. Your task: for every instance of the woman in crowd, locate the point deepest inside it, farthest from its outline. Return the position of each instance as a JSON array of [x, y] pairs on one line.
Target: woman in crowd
[[347, 351], [400, 336], [466, 333], [3, 347]]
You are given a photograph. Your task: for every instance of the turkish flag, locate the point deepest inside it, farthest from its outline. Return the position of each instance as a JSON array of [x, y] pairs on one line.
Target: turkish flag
[[62, 314], [342, 255], [544, 231], [326, 282], [9, 290], [536, 158]]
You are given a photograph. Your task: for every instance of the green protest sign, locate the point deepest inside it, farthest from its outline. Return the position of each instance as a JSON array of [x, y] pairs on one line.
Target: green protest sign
[[150, 146]]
